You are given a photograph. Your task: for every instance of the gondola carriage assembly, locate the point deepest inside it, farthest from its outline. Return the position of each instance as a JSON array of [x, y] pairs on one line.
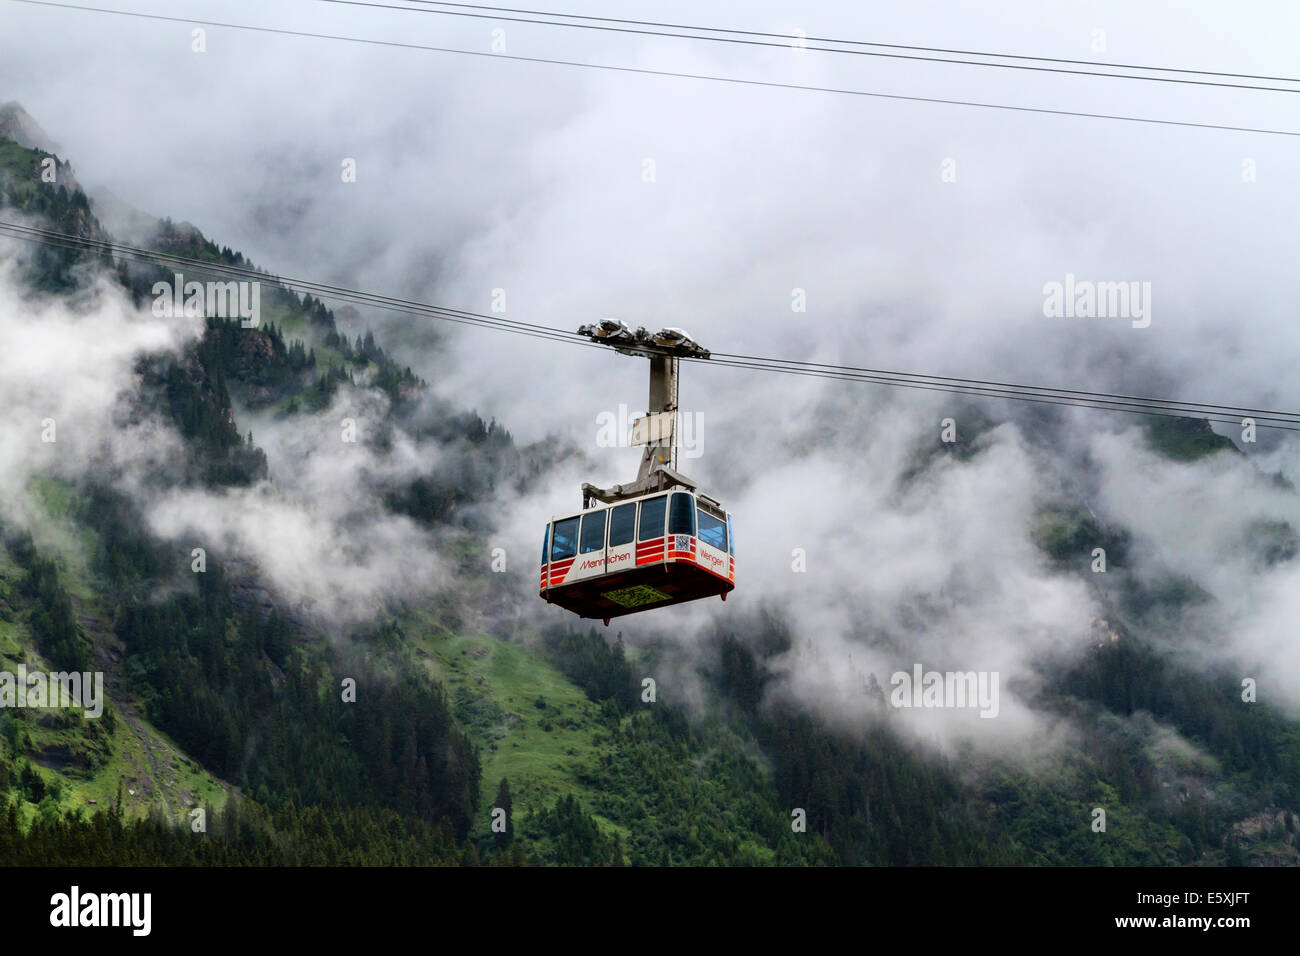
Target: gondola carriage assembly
[[657, 541]]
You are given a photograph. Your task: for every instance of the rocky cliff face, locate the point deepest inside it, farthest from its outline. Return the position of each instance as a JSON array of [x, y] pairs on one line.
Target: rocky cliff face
[[16, 124]]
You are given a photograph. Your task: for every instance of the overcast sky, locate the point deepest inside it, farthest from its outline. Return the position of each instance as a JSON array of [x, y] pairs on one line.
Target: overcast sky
[[478, 173]]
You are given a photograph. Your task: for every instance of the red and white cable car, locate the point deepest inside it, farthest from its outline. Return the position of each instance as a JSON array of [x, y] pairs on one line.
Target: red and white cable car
[[657, 550], [657, 541]]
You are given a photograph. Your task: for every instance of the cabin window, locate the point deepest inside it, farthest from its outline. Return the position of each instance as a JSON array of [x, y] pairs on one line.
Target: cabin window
[[652, 518], [546, 540], [713, 531], [681, 516], [565, 542], [622, 524], [731, 538], [592, 537]]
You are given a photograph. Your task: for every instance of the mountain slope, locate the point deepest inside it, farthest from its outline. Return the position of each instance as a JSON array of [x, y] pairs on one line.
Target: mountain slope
[[313, 728]]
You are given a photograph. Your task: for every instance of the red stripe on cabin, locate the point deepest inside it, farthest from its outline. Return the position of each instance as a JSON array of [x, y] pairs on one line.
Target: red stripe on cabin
[[648, 552]]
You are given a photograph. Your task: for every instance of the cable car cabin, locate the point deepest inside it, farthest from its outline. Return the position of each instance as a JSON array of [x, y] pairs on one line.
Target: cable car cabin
[[656, 550]]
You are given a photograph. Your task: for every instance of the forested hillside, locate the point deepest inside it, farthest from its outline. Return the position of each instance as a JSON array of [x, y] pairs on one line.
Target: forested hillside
[[392, 737]]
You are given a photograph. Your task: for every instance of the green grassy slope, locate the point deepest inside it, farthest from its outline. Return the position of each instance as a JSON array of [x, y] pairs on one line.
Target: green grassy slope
[[81, 761]]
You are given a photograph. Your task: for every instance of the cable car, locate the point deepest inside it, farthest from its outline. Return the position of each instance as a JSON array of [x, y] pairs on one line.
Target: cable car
[[656, 550], [656, 541]]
